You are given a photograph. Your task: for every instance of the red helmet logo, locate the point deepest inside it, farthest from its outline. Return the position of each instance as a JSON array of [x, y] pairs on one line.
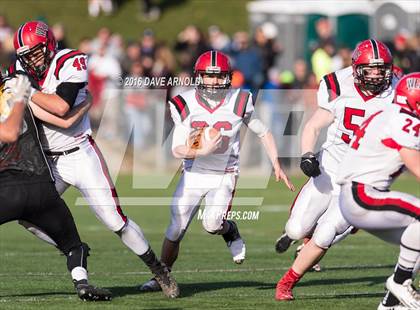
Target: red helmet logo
[[407, 92], [35, 47], [372, 56]]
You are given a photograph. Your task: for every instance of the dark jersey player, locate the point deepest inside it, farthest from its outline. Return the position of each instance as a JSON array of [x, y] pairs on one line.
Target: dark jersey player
[[27, 190]]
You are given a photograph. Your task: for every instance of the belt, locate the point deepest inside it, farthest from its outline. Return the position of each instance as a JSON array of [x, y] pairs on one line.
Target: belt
[[67, 152]]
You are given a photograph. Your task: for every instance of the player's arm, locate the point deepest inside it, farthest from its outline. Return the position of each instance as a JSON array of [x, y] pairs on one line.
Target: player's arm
[[68, 120], [270, 147], [61, 101], [411, 159], [10, 128], [319, 120], [268, 142]]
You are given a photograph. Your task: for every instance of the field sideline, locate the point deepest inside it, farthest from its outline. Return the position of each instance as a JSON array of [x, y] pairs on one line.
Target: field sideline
[[33, 275]]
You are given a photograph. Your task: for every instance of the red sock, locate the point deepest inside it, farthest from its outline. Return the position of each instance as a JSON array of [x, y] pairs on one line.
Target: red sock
[[290, 278]]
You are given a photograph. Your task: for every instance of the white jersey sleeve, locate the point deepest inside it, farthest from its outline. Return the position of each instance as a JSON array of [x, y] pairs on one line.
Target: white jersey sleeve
[[181, 131], [251, 119], [72, 67], [323, 98], [405, 131]]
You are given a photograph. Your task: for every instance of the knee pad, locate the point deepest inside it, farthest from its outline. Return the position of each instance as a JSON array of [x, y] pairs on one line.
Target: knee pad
[[118, 232], [295, 231], [212, 226], [324, 235], [77, 257], [175, 233]]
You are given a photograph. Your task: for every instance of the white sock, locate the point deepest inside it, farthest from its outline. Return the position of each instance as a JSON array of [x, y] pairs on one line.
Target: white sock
[[79, 273], [132, 236], [410, 246]]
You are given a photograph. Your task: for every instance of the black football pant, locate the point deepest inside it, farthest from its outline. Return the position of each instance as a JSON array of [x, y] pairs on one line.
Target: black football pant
[[41, 205]]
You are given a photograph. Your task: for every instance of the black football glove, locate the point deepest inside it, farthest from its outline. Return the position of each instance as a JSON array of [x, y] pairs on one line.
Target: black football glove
[[310, 165]]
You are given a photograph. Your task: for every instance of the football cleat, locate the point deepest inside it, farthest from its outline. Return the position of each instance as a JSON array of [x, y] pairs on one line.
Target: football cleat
[[167, 283], [283, 243], [87, 292], [316, 267], [238, 250], [284, 291], [406, 293], [150, 286]]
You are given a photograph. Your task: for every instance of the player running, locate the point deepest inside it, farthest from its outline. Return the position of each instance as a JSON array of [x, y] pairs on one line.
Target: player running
[[211, 172], [345, 98], [377, 155], [75, 157], [27, 189]]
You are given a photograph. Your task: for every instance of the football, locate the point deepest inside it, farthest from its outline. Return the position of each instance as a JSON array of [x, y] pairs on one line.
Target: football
[[195, 140]]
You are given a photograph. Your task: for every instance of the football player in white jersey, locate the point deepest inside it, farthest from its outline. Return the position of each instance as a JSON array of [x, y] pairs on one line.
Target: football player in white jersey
[[345, 98], [377, 155], [211, 172], [75, 158]]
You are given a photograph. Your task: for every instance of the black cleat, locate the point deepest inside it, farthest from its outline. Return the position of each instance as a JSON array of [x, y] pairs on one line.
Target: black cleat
[[87, 292], [283, 243], [167, 283]]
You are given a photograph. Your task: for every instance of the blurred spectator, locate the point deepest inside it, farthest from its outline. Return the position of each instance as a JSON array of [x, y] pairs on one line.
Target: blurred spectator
[[180, 87], [218, 40], [150, 12], [104, 75], [6, 32], [407, 52], [321, 60], [264, 41], [189, 45], [309, 95], [164, 65], [238, 79], [325, 34], [60, 36], [342, 59], [148, 43], [7, 51], [105, 40], [247, 60], [132, 55], [147, 64], [300, 72], [85, 46], [96, 6], [136, 103]]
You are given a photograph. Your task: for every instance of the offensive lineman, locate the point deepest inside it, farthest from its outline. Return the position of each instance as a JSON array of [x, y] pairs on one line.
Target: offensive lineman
[[211, 171], [345, 98], [376, 157], [76, 159], [27, 189]]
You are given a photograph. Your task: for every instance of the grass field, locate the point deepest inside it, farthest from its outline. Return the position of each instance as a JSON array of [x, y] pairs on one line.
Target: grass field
[[33, 274], [231, 16]]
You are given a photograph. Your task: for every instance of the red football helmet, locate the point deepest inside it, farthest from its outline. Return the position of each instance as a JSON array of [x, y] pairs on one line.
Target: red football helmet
[[35, 47], [407, 92], [372, 66], [213, 64]]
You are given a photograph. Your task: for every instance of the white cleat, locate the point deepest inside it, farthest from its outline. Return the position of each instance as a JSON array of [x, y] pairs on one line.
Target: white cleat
[[238, 250], [406, 293]]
